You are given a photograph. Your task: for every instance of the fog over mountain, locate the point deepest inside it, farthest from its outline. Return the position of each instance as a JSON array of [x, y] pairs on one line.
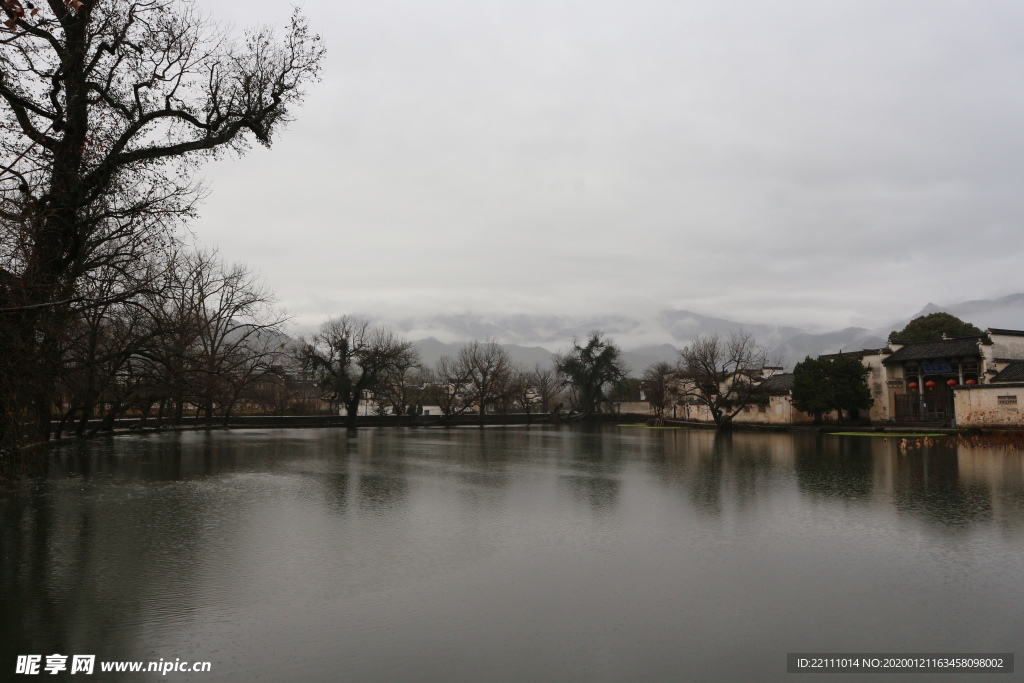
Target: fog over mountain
[[1005, 312], [532, 339]]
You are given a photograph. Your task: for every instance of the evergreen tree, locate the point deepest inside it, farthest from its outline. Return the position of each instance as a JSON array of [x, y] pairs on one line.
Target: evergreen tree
[[589, 370], [812, 392], [931, 328], [849, 379], [821, 385]]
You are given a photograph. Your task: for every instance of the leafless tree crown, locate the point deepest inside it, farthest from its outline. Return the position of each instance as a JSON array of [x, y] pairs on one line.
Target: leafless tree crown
[[723, 374]]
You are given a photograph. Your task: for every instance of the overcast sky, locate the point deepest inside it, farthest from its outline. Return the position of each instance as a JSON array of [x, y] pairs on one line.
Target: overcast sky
[[811, 163]]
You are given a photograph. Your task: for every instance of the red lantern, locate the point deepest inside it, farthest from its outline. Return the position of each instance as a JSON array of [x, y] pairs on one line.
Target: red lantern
[[912, 385], [971, 382], [951, 382], [930, 384]]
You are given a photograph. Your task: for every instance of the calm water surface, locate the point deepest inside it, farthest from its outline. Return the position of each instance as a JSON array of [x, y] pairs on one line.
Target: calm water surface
[[511, 554]]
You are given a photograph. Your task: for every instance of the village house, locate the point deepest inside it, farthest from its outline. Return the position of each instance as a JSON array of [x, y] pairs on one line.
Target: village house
[[962, 381], [772, 403], [956, 381]]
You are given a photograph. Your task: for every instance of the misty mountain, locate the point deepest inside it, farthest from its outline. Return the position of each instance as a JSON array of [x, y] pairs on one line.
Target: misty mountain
[[640, 359], [431, 349], [685, 326], [551, 331], [636, 360], [532, 339], [804, 344], [1005, 312], [557, 332]]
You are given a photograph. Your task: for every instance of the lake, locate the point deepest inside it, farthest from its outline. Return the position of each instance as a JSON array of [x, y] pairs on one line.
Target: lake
[[541, 553]]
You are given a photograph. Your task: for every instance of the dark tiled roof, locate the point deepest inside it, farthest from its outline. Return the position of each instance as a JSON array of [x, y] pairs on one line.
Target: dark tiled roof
[[778, 384], [859, 354], [1014, 372], [1011, 333], [958, 347]]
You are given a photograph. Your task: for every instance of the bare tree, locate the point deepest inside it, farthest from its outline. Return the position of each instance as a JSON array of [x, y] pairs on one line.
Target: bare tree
[[547, 384], [723, 374], [401, 384], [100, 364], [238, 329], [349, 357], [487, 366], [660, 385], [111, 105], [216, 332], [449, 386], [530, 390], [173, 358]]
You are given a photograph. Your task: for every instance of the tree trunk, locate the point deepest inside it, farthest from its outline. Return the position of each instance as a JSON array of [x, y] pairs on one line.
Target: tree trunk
[[64, 420], [107, 424], [83, 422], [352, 410]]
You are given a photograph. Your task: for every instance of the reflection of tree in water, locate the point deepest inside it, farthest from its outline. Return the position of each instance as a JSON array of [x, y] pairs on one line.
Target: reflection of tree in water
[[592, 449], [923, 481], [595, 460], [688, 461], [381, 477], [336, 490], [83, 562], [172, 456], [33, 618], [835, 467], [600, 493], [380, 491], [928, 481], [1001, 473], [716, 467], [749, 458], [490, 448], [705, 483]]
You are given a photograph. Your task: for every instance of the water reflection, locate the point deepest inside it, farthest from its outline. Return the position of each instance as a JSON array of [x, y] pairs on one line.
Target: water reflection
[[416, 554], [836, 467], [715, 468]]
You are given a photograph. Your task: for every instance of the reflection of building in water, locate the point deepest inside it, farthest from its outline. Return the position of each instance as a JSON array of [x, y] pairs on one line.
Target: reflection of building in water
[[1001, 473], [956, 487]]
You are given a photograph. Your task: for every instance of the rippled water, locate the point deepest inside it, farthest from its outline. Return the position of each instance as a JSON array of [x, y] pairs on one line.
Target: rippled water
[[510, 554]]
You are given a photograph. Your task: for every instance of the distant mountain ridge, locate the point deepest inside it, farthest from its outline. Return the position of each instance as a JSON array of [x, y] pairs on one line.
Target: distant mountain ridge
[[1005, 312], [532, 339]]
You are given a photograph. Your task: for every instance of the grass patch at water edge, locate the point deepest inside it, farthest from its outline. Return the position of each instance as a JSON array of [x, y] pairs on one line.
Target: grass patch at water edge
[[888, 434]]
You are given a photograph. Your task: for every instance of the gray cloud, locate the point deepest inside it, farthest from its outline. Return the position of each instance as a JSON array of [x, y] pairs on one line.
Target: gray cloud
[[803, 163]]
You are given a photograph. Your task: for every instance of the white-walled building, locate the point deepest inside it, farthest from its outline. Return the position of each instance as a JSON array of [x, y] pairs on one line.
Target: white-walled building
[[956, 380]]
